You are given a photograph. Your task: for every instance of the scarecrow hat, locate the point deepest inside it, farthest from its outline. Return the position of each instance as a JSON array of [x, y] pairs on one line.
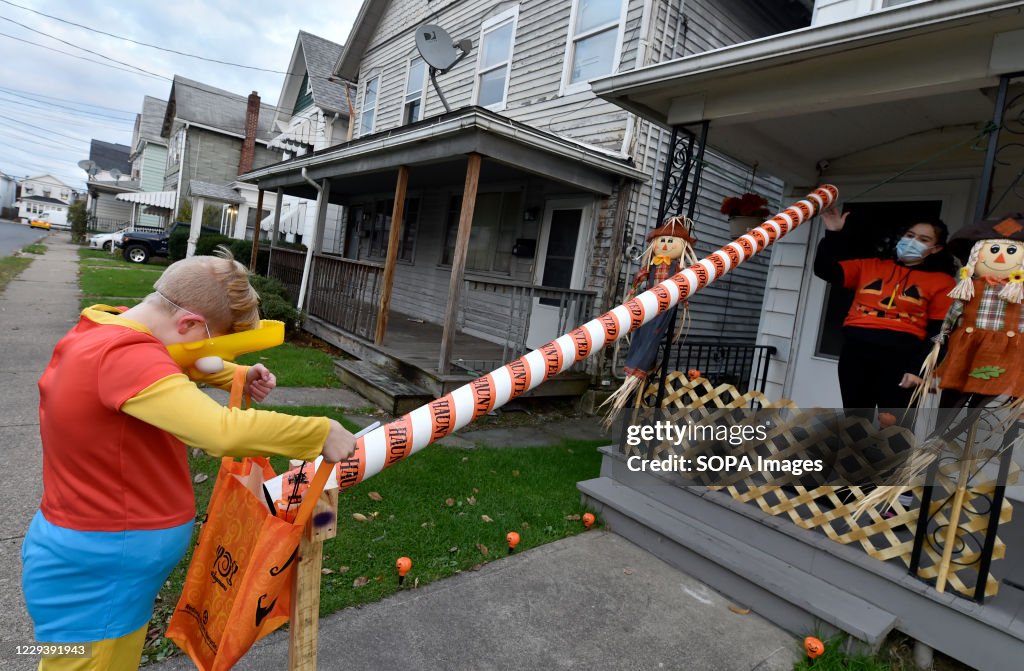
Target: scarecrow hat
[[1010, 227], [677, 227]]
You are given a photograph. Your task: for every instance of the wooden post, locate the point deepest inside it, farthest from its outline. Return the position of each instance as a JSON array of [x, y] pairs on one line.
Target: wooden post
[[459, 260], [198, 204], [394, 242], [313, 245], [305, 607], [256, 232]]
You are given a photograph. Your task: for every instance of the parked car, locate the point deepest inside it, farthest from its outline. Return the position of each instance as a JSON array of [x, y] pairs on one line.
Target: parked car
[[41, 220], [140, 246], [107, 241]]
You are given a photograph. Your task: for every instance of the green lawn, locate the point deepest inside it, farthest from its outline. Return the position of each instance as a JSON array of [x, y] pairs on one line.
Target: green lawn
[[34, 249], [296, 366], [431, 508]]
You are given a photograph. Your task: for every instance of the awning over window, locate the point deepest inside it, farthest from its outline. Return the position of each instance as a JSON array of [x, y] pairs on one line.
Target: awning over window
[[161, 199]]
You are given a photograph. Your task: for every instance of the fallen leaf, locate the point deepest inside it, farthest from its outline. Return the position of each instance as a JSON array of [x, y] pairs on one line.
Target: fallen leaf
[[375, 496], [515, 472], [415, 583], [471, 500], [196, 452], [326, 571], [569, 450], [360, 581], [526, 525], [375, 514], [200, 477], [454, 548], [482, 548], [379, 578], [573, 518], [485, 518], [425, 525], [476, 567], [738, 610], [342, 569], [476, 491], [359, 517], [449, 502], [465, 459], [628, 571]]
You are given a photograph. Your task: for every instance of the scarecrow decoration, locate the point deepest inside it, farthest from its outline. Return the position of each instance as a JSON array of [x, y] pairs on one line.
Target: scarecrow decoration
[[984, 355], [671, 245]]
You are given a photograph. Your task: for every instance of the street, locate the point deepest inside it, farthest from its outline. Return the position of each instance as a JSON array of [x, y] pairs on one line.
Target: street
[[15, 236]]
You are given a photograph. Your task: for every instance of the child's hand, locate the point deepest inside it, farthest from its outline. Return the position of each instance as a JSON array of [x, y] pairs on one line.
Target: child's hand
[[340, 444], [259, 382]]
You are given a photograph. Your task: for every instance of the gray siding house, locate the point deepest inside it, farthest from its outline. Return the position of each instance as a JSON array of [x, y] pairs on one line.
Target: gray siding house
[[149, 156], [111, 176], [522, 207]]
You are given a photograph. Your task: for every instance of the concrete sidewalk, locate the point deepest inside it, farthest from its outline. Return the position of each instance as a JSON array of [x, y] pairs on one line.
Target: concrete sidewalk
[[593, 601]]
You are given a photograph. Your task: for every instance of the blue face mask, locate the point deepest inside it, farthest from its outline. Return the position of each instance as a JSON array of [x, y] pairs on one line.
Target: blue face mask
[[909, 249]]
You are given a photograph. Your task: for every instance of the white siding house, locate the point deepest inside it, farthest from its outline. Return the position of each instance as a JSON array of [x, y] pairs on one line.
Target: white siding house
[[45, 194]]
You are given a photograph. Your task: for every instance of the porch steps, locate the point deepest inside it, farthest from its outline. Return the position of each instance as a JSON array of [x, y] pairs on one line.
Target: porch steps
[[799, 579], [382, 386], [770, 584]]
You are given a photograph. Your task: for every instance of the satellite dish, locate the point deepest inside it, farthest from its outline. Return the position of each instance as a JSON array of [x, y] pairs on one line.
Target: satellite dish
[[89, 167], [115, 173], [440, 52]]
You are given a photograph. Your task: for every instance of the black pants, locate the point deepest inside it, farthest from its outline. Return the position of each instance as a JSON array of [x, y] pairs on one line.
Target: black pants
[[870, 375]]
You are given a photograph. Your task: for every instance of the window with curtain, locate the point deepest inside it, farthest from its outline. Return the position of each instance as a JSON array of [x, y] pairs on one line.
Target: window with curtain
[[494, 63], [369, 111], [495, 225], [414, 90], [593, 41]]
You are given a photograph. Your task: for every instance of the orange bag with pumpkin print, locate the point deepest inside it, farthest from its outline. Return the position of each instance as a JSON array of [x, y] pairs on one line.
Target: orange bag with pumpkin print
[[239, 582]]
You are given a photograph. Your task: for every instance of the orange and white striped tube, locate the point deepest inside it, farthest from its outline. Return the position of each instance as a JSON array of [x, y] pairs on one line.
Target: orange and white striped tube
[[429, 423]]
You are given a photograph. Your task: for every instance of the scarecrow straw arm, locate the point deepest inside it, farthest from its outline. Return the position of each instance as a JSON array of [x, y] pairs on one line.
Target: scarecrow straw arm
[[429, 423]]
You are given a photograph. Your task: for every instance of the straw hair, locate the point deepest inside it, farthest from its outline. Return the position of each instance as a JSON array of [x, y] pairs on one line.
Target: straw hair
[[964, 289], [215, 287]]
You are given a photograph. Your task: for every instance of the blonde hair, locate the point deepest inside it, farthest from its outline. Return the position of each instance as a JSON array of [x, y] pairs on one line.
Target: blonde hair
[[215, 287]]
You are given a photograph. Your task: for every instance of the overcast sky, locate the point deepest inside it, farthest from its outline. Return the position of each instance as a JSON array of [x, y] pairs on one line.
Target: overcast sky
[[52, 104]]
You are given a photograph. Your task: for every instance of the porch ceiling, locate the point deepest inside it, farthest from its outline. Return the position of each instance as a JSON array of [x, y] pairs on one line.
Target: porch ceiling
[[868, 95], [435, 151]]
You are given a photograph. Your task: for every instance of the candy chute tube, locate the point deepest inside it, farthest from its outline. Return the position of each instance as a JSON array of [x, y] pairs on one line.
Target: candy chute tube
[[270, 333], [427, 424]]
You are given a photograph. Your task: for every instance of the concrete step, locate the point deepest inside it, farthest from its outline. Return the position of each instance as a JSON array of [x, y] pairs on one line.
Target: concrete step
[[789, 595], [382, 386]]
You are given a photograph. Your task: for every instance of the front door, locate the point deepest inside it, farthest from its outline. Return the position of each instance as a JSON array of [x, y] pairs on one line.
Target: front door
[[823, 306], [562, 249]]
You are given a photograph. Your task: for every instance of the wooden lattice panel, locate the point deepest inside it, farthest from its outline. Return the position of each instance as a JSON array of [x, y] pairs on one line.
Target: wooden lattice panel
[[795, 434]]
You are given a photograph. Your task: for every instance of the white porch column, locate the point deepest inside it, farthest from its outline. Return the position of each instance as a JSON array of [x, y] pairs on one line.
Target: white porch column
[[198, 204], [241, 219], [313, 241]]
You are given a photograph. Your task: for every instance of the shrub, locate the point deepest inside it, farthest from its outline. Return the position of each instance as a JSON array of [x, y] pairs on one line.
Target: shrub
[[79, 219], [275, 302]]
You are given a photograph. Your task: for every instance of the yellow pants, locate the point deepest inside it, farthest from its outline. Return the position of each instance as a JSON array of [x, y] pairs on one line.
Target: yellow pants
[[111, 654]]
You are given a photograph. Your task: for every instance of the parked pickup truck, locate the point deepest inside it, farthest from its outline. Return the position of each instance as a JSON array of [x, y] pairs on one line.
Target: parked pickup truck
[[139, 246]]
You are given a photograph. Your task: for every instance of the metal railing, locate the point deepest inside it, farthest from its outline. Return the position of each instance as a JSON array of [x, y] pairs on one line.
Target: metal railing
[[742, 366], [502, 311], [106, 224], [345, 293]]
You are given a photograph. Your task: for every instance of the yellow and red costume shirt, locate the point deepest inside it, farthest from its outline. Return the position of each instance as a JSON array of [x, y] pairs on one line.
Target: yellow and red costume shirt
[[115, 415], [894, 297]]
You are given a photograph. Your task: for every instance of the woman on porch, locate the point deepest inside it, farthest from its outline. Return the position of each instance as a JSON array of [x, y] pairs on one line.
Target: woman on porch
[[898, 305]]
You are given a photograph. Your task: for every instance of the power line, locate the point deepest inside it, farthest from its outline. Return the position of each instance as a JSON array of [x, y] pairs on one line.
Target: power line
[[69, 116], [46, 105], [35, 138], [45, 130], [88, 51], [145, 44], [65, 100], [67, 53]]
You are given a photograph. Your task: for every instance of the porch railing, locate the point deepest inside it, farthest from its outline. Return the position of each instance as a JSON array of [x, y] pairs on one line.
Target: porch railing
[[345, 293], [107, 224], [286, 266], [742, 366], [502, 310]]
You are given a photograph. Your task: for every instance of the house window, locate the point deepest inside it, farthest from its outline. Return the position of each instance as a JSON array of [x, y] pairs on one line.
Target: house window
[[175, 146], [371, 227], [595, 37], [415, 87], [495, 226], [305, 97], [369, 106], [494, 62], [27, 189]]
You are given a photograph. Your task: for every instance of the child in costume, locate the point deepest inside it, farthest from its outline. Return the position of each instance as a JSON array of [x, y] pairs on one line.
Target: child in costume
[[115, 415], [898, 304]]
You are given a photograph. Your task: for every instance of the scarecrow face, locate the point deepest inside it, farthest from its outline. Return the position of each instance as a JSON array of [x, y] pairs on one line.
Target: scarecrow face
[[997, 259], [667, 245]]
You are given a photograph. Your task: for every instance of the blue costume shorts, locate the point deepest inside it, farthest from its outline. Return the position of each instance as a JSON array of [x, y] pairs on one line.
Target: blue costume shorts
[[85, 586]]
